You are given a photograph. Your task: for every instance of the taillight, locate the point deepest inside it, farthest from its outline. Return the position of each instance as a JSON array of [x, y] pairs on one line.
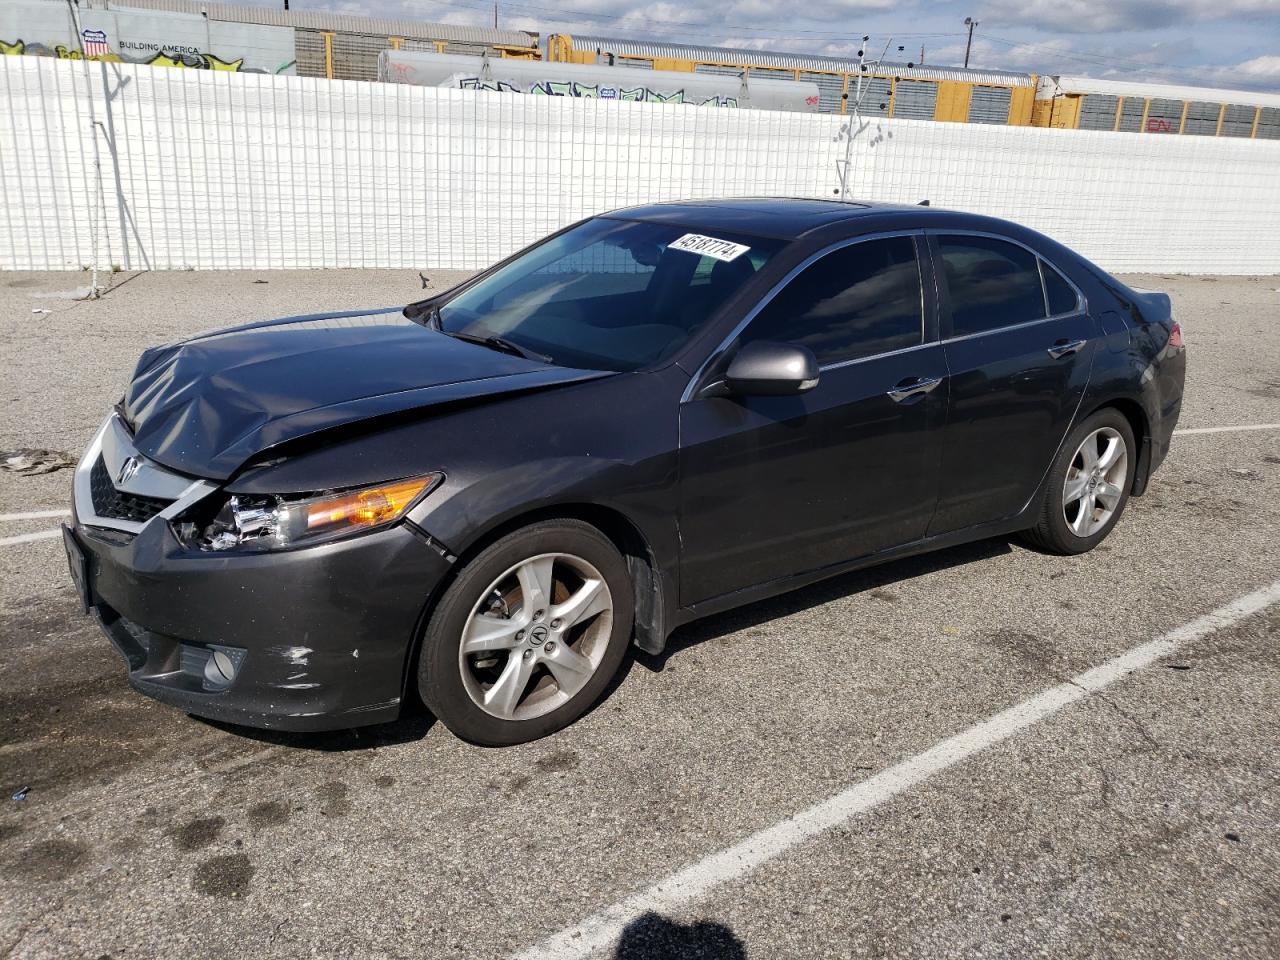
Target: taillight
[[1175, 336]]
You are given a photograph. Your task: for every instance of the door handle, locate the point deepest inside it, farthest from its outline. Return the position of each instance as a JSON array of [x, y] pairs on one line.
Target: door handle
[[913, 387], [1066, 347]]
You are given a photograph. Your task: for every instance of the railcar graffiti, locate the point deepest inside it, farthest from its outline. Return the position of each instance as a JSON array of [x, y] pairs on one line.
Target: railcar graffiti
[[572, 88], [594, 81], [185, 59]]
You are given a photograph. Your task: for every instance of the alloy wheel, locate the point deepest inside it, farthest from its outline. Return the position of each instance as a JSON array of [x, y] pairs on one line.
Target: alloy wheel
[[1095, 482], [536, 636]]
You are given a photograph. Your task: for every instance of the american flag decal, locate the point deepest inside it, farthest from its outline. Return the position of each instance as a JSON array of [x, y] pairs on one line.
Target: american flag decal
[[94, 43]]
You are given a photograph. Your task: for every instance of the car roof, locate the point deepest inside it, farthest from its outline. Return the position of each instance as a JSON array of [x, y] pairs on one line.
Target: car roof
[[822, 221], [787, 217]]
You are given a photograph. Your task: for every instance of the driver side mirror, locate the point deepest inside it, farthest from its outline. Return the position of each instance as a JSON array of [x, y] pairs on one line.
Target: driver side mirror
[[765, 369]]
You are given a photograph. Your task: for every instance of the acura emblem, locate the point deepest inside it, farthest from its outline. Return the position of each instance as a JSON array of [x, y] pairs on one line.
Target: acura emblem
[[127, 470]]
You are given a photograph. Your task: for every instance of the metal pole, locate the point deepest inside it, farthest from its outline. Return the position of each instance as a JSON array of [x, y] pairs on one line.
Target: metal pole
[[854, 123], [970, 23], [98, 200]]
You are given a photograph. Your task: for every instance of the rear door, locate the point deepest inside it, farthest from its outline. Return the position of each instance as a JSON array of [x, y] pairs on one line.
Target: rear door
[[776, 486], [1019, 346]]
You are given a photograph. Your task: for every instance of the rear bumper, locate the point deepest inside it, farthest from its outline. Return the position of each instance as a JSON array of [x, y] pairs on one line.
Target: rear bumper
[[1162, 437], [1170, 379], [318, 638]]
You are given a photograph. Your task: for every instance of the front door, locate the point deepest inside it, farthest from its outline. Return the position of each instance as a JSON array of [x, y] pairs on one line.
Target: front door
[[777, 486]]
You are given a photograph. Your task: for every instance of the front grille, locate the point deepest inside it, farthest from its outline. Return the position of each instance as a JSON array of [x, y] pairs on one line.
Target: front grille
[[113, 504]]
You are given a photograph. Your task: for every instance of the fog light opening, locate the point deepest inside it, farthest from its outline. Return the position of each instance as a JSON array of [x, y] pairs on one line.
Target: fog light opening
[[221, 668]]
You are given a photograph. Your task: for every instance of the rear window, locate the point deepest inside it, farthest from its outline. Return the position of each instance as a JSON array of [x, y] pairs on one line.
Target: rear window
[[610, 294]]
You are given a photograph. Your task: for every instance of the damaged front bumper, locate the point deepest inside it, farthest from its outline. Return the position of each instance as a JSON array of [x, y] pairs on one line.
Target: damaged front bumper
[[313, 638]]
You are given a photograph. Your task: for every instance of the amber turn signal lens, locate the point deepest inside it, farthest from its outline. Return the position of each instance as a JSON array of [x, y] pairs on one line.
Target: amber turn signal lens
[[366, 508]]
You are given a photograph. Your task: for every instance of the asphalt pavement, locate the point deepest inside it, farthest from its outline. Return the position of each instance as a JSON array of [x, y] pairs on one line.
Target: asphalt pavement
[[1140, 818]]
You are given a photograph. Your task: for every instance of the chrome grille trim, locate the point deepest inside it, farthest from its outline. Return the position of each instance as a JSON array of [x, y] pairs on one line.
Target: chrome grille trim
[[114, 446], [110, 501]]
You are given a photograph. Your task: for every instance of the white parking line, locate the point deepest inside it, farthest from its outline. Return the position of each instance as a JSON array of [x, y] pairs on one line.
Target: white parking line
[[695, 881], [1249, 426], [35, 515], [29, 537]]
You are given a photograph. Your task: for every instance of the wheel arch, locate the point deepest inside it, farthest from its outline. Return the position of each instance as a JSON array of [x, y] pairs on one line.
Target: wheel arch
[[624, 533], [1140, 424]]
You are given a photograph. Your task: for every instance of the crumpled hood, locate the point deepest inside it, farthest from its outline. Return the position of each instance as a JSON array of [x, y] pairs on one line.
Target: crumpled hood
[[206, 405]]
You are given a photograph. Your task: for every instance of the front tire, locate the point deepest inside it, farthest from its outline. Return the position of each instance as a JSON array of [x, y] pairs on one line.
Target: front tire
[[528, 636], [1088, 485]]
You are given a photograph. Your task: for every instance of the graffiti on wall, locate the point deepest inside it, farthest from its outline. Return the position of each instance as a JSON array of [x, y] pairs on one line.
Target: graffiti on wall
[[571, 88], [94, 46]]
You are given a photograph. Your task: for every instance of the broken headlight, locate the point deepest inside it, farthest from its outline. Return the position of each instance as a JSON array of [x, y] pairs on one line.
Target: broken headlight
[[268, 522]]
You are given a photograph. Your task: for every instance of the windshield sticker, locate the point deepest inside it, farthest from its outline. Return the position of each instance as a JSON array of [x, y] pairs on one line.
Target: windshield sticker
[[709, 247]]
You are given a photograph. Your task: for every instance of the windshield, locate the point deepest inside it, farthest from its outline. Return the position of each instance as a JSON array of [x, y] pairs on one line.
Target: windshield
[[608, 294]]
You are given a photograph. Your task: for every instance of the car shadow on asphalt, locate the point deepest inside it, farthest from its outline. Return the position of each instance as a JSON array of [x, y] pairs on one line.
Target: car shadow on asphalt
[[415, 721], [653, 936], [825, 591], [412, 725]]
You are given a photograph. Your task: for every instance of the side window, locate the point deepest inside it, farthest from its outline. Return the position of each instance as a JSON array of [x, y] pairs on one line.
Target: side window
[[1060, 294], [855, 302], [992, 283]]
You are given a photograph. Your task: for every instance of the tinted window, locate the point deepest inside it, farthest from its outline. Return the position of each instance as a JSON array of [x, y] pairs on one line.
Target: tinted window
[[992, 284], [608, 294], [598, 268], [858, 301], [1062, 298]]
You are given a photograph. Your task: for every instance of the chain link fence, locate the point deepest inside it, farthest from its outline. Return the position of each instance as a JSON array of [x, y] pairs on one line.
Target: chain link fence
[[207, 170]]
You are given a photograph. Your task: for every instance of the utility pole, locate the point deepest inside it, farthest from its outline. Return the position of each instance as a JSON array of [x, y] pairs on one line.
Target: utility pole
[[495, 14], [970, 23]]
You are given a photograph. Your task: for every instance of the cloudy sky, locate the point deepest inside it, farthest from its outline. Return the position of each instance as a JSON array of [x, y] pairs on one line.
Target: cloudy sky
[[1227, 43]]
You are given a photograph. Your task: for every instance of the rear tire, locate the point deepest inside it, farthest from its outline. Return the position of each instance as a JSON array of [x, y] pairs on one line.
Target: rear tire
[[529, 635], [1088, 485]]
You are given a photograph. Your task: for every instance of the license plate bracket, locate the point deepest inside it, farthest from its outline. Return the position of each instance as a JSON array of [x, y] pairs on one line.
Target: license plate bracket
[[78, 564]]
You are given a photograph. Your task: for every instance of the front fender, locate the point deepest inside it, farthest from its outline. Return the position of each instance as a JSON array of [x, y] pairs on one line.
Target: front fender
[[620, 496], [607, 444], [478, 504]]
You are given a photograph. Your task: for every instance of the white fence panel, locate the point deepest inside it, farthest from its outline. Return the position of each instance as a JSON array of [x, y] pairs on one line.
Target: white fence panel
[[1130, 202], [202, 169]]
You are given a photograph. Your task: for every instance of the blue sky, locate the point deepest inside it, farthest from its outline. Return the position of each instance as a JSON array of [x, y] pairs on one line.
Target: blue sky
[[1226, 43]]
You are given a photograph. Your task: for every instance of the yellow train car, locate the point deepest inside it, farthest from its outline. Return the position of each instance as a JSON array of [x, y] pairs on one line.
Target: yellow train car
[[920, 92], [1082, 103]]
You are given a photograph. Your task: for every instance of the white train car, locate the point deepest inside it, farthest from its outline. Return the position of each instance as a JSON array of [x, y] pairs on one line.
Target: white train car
[[539, 77]]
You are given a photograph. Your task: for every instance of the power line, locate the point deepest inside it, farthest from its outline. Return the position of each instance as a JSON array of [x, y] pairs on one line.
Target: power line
[[677, 31], [484, 10], [1096, 59], [563, 15], [720, 29]]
